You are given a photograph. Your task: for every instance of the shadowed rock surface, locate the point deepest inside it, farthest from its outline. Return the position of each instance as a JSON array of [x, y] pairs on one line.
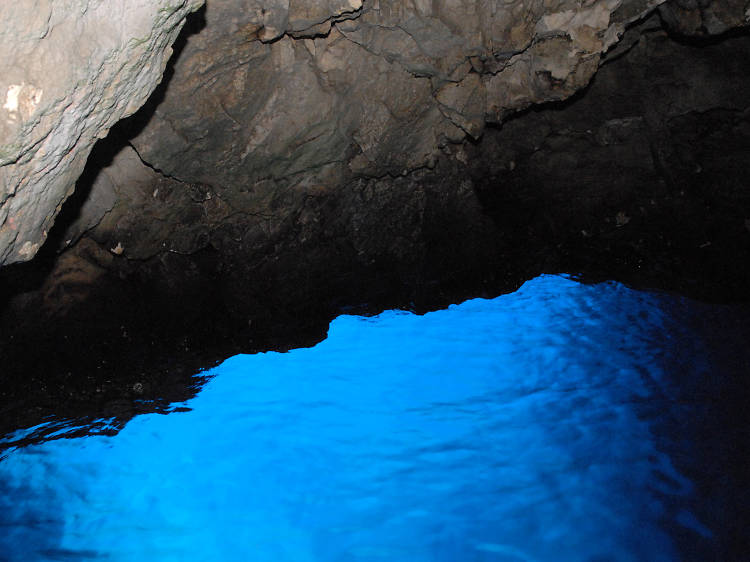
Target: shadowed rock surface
[[303, 93]]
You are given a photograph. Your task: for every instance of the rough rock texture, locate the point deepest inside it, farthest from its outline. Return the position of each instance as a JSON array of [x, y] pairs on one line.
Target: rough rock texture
[[353, 93], [71, 70], [641, 178], [347, 90], [705, 17], [308, 93]]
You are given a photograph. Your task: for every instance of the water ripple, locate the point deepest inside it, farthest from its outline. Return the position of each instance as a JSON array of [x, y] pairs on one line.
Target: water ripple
[[562, 422]]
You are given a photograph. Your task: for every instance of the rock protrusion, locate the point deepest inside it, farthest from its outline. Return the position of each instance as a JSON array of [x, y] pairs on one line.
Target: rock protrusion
[[71, 70]]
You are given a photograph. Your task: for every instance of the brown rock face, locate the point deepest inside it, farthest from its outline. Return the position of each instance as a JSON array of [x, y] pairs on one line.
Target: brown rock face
[[305, 93], [362, 90]]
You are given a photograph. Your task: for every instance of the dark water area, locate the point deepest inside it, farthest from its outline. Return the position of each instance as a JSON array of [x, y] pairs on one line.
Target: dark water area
[[562, 422]]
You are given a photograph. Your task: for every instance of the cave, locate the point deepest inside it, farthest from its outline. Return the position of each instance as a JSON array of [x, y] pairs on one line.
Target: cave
[[208, 179]]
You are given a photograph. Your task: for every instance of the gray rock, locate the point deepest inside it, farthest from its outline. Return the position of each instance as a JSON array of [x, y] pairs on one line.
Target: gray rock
[[70, 71]]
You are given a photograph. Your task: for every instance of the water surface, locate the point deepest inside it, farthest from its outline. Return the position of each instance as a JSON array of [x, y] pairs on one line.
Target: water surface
[[561, 422]]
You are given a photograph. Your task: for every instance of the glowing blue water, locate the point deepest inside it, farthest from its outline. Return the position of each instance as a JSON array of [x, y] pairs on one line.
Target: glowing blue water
[[557, 423]]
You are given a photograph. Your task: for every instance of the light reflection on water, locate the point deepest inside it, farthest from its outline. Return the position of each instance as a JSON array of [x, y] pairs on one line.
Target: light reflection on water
[[561, 422]]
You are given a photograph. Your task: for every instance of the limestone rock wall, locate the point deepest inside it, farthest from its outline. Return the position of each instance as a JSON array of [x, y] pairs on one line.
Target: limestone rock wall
[[70, 70], [271, 95], [314, 93]]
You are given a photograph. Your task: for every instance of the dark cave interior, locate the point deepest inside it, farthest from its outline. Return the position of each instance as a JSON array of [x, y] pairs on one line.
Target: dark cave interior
[[641, 178]]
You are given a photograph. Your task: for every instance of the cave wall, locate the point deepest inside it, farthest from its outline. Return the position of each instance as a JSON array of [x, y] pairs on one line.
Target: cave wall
[[276, 96], [640, 178], [284, 98], [70, 71], [298, 163], [588, 188], [277, 91]]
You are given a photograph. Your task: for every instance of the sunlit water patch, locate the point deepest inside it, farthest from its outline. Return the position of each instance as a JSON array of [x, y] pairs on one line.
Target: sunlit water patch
[[561, 422]]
